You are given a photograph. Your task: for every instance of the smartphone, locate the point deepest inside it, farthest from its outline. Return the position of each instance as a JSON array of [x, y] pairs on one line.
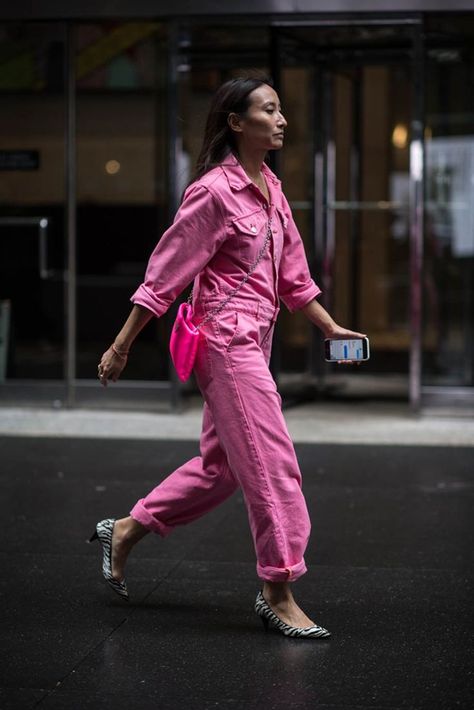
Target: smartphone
[[356, 349]]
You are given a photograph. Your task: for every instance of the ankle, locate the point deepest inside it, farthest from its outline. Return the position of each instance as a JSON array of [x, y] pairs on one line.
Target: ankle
[[129, 531], [276, 593]]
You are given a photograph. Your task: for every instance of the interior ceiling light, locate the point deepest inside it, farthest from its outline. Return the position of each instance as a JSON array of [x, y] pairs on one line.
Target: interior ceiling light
[[112, 167], [400, 136]]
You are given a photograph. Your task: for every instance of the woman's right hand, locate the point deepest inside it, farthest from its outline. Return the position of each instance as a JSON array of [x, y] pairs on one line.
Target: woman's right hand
[[112, 363]]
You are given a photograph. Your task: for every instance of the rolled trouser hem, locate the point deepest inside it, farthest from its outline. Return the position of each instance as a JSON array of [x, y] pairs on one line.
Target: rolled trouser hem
[[144, 517], [281, 574]]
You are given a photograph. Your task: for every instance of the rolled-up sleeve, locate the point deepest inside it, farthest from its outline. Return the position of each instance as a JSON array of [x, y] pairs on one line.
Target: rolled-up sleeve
[[197, 232], [296, 288]]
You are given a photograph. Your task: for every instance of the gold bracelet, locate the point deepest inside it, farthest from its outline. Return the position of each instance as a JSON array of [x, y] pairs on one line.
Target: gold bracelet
[[123, 355]]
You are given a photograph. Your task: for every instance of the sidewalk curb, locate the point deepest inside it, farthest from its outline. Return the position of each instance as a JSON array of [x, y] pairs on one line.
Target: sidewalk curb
[[306, 424]]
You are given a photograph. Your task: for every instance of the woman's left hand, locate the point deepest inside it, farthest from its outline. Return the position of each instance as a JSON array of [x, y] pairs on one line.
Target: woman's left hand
[[111, 365], [338, 333], [318, 315]]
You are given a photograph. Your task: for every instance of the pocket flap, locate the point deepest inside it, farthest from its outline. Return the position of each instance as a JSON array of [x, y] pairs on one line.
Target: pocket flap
[[250, 224]]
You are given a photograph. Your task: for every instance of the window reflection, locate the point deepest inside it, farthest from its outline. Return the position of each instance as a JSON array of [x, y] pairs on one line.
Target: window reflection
[[449, 233]]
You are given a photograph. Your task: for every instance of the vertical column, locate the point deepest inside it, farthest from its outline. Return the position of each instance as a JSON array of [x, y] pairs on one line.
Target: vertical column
[[70, 172], [172, 136], [417, 183], [355, 168], [374, 244]]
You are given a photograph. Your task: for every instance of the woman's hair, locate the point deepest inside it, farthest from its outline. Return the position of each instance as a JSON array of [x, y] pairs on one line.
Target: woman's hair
[[219, 139]]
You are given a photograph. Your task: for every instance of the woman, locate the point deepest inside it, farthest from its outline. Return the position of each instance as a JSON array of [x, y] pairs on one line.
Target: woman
[[232, 217]]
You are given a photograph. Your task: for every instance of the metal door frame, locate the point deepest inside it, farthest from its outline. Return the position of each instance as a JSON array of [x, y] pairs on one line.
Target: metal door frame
[[70, 391], [417, 183], [135, 393]]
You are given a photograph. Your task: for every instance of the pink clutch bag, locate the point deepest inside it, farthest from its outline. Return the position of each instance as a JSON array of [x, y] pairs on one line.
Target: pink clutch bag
[[184, 342]]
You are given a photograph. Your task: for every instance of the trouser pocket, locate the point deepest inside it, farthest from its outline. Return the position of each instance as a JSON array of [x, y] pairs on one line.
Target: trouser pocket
[[226, 328]]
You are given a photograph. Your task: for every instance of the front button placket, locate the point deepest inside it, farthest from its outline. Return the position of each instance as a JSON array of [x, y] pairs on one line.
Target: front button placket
[[274, 260]]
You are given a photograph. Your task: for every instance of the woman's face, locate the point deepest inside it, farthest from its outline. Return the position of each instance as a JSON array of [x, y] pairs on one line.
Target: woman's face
[[262, 127]]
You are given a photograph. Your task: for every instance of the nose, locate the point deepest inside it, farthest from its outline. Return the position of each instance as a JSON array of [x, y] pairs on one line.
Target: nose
[[282, 121]]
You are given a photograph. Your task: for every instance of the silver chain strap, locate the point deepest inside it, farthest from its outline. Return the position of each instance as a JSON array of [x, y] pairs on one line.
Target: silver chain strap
[[231, 295]]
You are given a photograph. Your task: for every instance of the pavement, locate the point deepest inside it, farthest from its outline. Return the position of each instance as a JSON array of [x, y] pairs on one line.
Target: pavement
[[389, 569], [357, 422]]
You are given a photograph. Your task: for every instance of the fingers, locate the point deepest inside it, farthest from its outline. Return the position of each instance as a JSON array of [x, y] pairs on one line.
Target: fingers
[[110, 367], [353, 334], [106, 373], [343, 333], [101, 375]]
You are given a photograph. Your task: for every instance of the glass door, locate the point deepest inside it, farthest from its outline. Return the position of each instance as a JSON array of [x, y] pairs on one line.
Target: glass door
[[32, 212], [448, 355], [358, 86], [122, 202]]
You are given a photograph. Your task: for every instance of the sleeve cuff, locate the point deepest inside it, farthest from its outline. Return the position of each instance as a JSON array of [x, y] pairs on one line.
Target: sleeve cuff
[[300, 298], [144, 296]]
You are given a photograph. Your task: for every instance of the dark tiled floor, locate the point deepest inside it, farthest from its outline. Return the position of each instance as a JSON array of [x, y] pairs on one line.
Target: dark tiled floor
[[390, 575]]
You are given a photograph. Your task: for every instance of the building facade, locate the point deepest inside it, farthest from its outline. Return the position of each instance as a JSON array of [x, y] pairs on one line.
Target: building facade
[[102, 108]]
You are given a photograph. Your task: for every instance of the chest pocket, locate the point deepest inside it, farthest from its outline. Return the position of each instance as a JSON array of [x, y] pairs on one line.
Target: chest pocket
[[249, 234]]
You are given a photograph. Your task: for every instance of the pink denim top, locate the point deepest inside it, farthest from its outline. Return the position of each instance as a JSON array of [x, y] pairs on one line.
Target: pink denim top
[[216, 236]]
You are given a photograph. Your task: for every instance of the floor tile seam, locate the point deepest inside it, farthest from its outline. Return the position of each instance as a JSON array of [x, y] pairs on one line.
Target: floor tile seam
[[130, 611], [143, 599], [175, 566], [76, 666]]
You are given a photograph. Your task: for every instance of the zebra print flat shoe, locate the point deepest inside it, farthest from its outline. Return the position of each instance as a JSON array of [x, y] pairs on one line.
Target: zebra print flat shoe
[[269, 617], [103, 533]]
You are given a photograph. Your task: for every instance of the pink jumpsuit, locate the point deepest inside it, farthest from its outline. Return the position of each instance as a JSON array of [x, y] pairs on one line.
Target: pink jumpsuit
[[217, 233]]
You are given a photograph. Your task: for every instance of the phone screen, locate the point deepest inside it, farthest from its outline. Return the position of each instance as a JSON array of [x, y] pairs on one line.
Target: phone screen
[[356, 349]]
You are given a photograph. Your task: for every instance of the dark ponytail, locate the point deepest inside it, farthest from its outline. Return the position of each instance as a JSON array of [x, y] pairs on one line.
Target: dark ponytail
[[219, 140]]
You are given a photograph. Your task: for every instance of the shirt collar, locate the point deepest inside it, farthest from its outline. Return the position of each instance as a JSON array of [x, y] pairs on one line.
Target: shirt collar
[[238, 178]]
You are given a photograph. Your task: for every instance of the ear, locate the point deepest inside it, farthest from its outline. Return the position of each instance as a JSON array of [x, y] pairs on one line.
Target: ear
[[234, 122]]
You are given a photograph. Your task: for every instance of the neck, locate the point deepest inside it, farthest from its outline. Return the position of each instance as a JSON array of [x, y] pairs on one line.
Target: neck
[[251, 161]]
